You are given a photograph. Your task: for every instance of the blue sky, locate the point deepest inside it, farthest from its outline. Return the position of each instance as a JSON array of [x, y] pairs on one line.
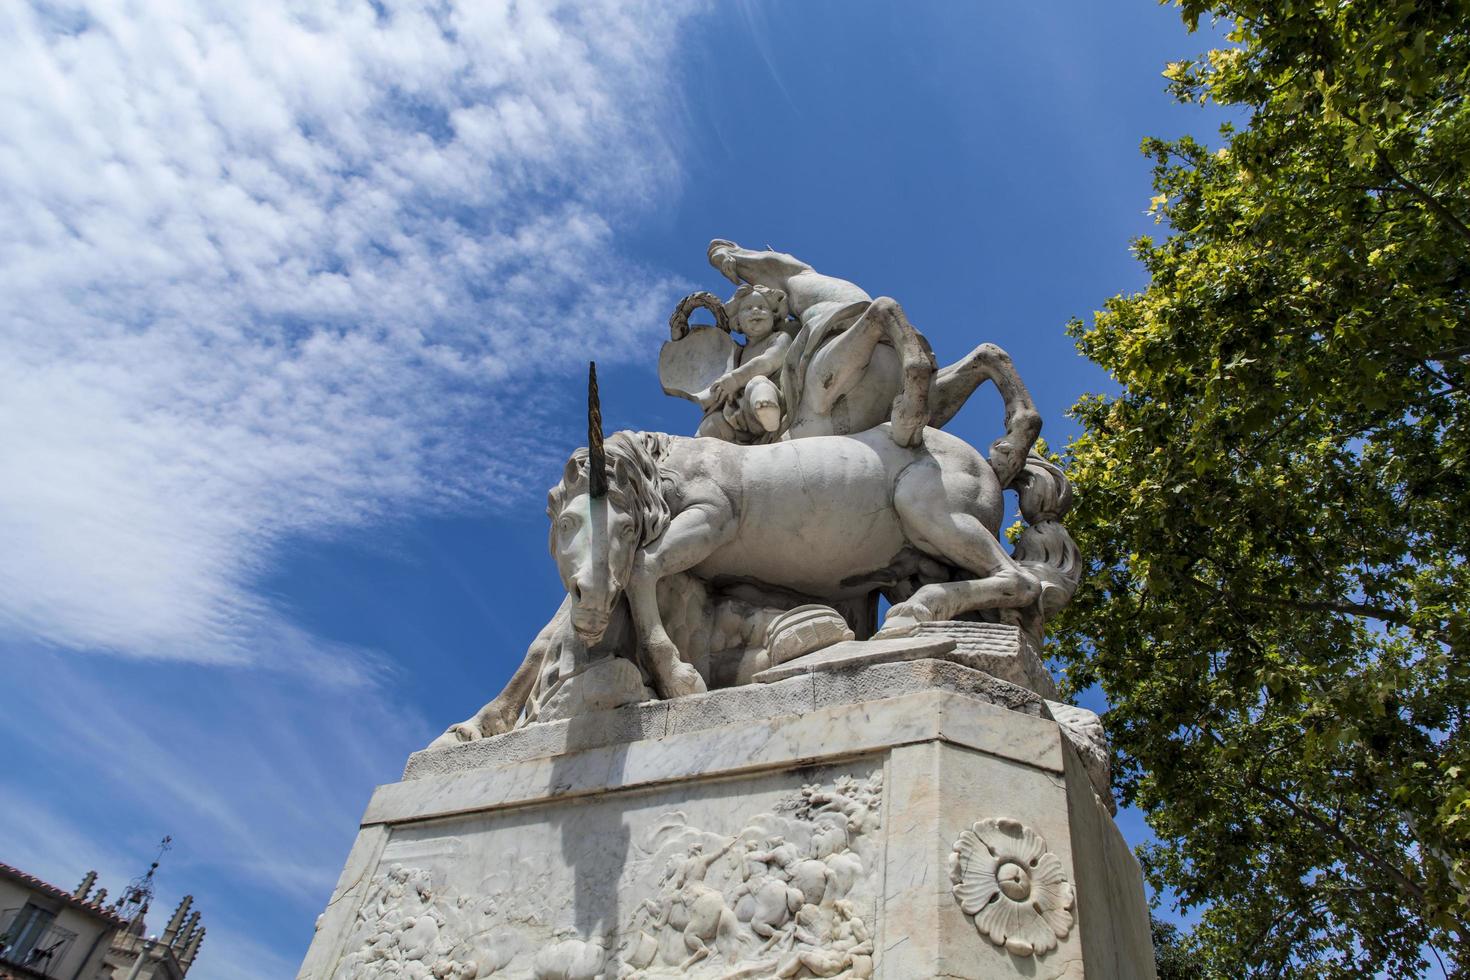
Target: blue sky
[[296, 306]]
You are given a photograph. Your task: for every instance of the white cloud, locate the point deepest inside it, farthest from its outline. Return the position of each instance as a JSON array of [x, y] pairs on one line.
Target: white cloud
[[275, 268]]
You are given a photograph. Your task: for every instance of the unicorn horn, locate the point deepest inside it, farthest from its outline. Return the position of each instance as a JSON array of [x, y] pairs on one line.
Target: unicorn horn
[[596, 456]]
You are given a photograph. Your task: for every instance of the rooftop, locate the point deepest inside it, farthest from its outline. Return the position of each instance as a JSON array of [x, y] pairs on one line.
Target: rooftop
[[61, 895]]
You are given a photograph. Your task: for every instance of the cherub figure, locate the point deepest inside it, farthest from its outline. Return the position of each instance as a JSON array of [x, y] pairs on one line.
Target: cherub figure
[[744, 404]]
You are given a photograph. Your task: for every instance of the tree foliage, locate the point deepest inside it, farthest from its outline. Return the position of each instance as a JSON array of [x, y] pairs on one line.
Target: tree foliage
[[1276, 506], [1173, 956]]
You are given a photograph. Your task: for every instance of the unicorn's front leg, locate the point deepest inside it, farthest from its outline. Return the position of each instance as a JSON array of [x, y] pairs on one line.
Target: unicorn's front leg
[[691, 537], [672, 677]]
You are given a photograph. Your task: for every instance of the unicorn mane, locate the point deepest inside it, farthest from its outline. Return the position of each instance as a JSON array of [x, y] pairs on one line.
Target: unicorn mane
[[635, 480]]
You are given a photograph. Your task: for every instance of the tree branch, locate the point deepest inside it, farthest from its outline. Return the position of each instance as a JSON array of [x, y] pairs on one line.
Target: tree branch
[[1441, 377], [1405, 884], [1255, 781], [1384, 613], [1427, 199]]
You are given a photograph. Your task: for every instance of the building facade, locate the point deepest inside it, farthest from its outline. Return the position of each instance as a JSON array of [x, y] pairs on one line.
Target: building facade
[[48, 933]]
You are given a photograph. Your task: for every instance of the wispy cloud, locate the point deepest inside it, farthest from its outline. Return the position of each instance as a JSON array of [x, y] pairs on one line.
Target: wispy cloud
[[261, 782], [275, 269]]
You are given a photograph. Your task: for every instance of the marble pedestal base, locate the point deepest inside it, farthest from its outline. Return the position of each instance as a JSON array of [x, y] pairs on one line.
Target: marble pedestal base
[[813, 826]]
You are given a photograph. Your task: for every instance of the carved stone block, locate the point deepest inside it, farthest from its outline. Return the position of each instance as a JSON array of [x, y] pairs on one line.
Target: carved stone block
[[999, 649], [860, 653], [811, 834]]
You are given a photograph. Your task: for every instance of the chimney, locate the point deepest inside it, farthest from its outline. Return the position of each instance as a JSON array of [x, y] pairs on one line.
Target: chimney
[[187, 960], [177, 920], [85, 887], [181, 941]]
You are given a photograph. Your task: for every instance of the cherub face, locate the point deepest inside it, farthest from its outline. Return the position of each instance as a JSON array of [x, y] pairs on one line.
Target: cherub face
[[756, 319]]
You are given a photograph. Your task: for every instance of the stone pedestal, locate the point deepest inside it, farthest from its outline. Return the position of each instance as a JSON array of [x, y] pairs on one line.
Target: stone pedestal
[[899, 820]]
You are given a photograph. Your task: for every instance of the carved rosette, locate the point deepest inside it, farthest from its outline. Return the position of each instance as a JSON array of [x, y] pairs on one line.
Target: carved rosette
[[1012, 886]]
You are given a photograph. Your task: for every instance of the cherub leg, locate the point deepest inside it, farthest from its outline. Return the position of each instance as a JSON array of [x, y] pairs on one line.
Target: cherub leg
[[839, 365], [763, 401]]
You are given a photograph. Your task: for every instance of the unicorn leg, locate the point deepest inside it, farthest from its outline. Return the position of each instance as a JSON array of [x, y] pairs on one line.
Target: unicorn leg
[[688, 540], [938, 516], [954, 384]]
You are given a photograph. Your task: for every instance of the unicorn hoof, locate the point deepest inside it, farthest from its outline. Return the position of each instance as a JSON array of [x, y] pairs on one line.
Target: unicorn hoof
[[455, 735], [684, 679], [904, 620]]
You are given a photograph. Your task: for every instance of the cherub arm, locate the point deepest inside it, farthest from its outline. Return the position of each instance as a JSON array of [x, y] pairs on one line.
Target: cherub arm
[[765, 364]]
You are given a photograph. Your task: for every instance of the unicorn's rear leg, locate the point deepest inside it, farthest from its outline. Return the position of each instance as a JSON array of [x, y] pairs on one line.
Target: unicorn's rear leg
[[955, 383], [938, 516]]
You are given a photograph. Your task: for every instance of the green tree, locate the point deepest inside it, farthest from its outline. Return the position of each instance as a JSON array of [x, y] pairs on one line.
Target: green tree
[[1173, 956], [1276, 506]]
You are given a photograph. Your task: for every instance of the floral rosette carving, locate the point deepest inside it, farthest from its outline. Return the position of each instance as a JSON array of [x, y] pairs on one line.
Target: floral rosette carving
[[1012, 886]]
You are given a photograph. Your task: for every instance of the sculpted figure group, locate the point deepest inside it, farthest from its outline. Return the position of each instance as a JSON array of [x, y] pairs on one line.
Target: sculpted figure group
[[776, 906], [820, 474], [786, 892]]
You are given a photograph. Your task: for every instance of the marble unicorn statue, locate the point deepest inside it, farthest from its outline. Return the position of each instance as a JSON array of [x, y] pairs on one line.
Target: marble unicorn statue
[[832, 519], [821, 477], [819, 516]]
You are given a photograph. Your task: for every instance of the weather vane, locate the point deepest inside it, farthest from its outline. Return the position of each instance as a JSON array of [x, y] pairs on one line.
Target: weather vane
[[139, 893]]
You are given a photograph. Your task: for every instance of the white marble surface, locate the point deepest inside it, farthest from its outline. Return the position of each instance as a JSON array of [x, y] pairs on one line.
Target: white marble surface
[[621, 881], [742, 746], [860, 653], [801, 694], [977, 787], [336, 922], [549, 861], [1111, 910], [689, 365], [936, 791], [999, 649]]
